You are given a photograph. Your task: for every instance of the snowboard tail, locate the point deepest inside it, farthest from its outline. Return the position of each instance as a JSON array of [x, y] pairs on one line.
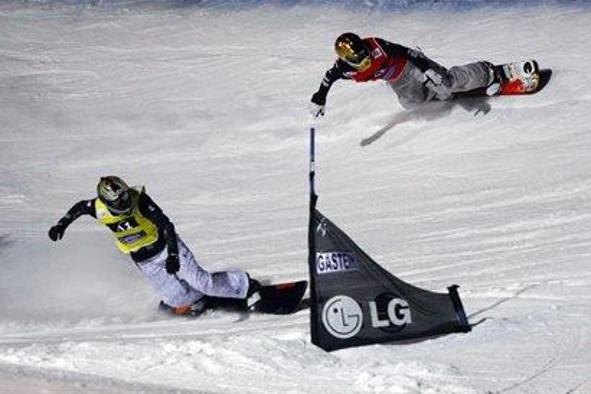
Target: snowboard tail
[[281, 298]]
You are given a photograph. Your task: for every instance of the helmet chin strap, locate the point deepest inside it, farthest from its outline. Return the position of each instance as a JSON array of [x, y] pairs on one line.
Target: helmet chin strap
[[118, 212]]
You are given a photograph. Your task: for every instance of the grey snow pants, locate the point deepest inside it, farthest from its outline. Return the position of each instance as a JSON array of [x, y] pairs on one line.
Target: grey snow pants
[[191, 281], [412, 91]]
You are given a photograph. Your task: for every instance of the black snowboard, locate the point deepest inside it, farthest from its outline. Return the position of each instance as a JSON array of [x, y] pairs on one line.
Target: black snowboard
[[277, 299], [281, 298]]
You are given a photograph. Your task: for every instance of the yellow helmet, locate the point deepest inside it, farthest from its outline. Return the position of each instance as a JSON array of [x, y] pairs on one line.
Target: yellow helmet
[[351, 49]]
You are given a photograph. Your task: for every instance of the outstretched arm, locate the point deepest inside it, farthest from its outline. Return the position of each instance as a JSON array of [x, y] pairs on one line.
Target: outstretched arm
[[319, 98], [84, 207]]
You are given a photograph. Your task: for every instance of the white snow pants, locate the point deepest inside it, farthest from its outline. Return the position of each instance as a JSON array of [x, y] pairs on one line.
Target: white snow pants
[[191, 281], [412, 91]]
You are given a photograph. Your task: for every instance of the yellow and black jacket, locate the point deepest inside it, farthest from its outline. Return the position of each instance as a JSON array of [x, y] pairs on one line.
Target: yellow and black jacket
[[144, 232]]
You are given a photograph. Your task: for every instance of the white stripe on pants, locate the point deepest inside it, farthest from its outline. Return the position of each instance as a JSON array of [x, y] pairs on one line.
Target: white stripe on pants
[[192, 281], [412, 92]]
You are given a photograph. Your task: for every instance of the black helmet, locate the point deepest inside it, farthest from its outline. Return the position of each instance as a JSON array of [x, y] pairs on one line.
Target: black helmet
[[351, 49], [114, 193]]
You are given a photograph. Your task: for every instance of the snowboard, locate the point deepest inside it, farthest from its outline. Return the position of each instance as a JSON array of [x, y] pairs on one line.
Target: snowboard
[[282, 298], [276, 299], [519, 78]]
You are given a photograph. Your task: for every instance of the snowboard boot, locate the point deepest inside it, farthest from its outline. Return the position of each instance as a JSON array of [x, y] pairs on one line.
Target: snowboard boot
[[253, 295], [195, 309], [496, 79]]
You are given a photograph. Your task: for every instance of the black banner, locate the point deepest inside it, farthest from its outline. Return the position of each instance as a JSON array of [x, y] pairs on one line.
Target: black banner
[[356, 302]]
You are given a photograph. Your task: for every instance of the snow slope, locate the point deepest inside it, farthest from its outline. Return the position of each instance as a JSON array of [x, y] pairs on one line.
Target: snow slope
[[206, 106]]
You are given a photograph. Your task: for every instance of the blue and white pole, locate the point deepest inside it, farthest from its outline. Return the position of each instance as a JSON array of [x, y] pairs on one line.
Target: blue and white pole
[[312, 163]]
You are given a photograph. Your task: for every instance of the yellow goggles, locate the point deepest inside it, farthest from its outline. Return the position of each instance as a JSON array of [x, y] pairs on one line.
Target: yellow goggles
[[364, 65], [348, 55]]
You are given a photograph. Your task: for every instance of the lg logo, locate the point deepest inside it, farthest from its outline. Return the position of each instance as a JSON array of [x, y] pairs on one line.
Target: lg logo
[[389, 313], [342, 316]]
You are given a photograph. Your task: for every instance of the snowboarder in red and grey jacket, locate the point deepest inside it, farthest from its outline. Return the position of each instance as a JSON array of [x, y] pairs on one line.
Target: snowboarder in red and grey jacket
[[414, 77]]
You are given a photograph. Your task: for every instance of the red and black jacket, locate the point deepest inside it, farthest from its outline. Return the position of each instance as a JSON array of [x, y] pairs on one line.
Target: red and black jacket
[[387, 63]]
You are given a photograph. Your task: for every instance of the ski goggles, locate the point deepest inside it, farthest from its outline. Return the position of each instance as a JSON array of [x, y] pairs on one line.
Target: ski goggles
[[361, 66], [360, 60], [120, 205]]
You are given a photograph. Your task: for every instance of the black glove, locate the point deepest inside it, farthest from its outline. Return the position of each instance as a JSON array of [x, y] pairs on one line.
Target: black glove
[[318, 99], [57, 232], [316, 107], [172, 264]]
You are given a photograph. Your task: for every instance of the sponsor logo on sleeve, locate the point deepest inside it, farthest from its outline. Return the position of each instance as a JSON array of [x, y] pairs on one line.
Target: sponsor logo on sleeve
[[333, 262]]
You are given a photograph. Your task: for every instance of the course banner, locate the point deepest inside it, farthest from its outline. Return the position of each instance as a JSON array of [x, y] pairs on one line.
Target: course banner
[[354, 301]]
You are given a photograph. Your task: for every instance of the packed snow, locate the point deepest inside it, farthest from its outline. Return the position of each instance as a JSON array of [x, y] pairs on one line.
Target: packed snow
[[205, 105]]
